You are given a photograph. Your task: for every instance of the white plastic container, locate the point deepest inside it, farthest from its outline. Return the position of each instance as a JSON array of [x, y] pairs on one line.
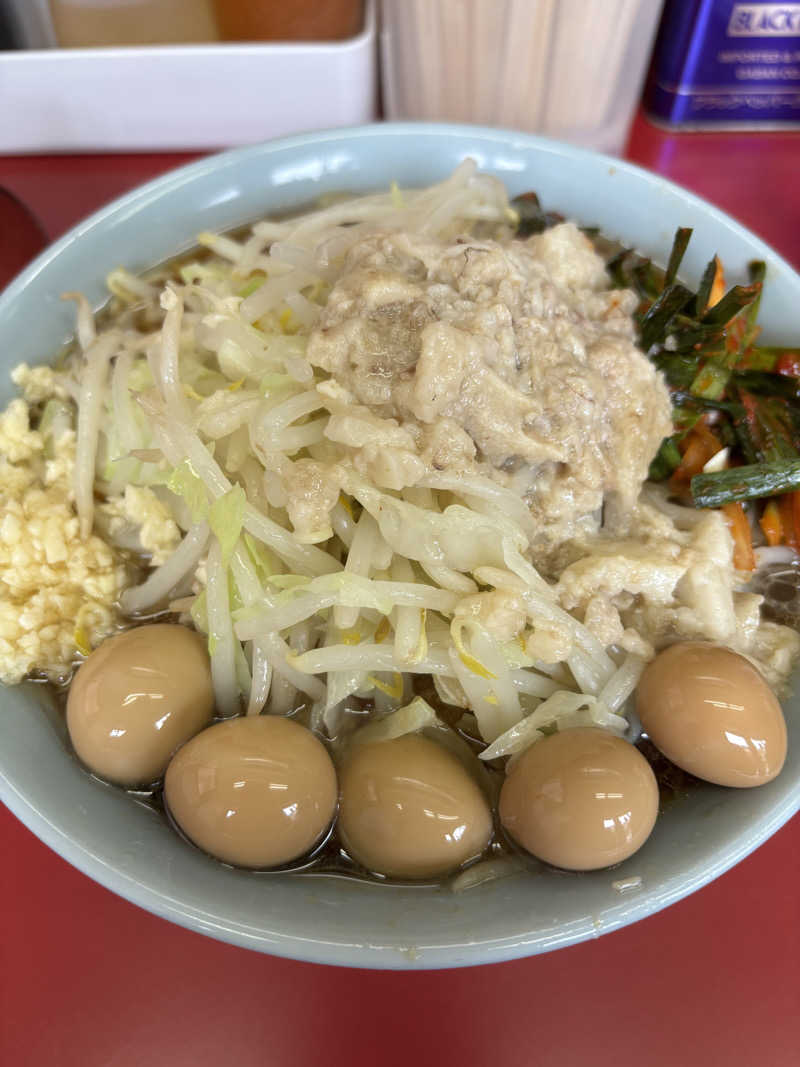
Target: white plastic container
[[571, 69], [183, 96]]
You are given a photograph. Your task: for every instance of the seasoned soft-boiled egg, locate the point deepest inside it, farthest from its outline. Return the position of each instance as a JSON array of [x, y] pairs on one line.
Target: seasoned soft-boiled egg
[[409, 808], [710, 711], [138, 697], [581, 799], [254, 792]]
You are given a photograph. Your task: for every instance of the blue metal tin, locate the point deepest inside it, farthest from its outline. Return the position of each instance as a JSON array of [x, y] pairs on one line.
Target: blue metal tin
[[721, 63]]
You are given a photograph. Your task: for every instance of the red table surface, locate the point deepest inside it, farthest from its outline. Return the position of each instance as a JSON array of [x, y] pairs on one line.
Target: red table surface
[[87, 979]]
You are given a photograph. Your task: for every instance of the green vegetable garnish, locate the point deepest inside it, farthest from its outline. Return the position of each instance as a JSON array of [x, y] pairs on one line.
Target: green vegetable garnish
[[745, 483]]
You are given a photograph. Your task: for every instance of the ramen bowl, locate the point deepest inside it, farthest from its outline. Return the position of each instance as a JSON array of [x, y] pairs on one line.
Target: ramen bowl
[[129, 847]]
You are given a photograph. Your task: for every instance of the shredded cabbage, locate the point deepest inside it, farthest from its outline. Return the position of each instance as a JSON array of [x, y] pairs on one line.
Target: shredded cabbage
[[225, 517], [410, 719]]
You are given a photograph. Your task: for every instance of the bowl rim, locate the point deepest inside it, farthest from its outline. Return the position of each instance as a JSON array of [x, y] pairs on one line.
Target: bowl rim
[[91, 864], [141, 195]]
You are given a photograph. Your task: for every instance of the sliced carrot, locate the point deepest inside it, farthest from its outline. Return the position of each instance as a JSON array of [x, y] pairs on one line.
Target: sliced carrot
[[786, 506], [771, 524], [698, 447], [789, 506], [718, 285], [789, 363], [736, 518]]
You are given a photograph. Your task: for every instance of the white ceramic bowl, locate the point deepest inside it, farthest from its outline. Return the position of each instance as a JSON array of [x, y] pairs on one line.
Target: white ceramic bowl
[[128, 848]]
